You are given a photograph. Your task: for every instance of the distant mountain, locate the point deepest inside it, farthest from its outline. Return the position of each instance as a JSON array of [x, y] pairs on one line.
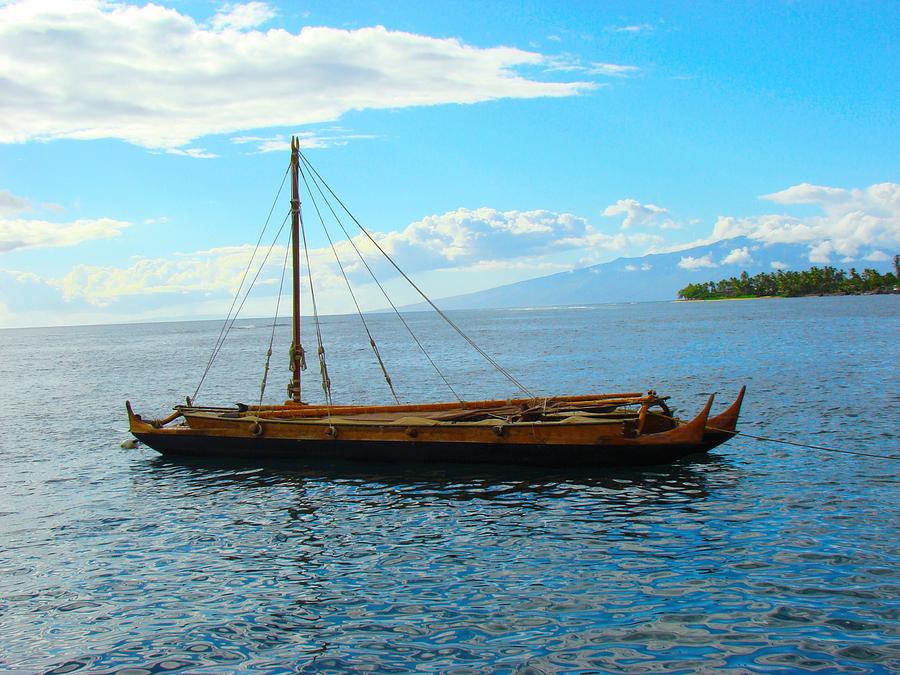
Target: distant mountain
[[658, 276]]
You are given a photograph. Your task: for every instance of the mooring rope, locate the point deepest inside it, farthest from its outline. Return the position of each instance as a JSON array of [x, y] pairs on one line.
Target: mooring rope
[[769, 439], [813, 447]]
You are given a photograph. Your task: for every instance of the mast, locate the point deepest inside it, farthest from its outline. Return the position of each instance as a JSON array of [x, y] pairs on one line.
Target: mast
[[297, 358]]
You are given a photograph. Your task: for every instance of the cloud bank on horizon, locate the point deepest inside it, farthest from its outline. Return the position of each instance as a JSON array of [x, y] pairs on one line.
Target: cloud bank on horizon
[[855, 225]]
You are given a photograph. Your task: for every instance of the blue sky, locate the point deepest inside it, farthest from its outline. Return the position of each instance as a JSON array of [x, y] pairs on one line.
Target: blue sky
[[484, 142]]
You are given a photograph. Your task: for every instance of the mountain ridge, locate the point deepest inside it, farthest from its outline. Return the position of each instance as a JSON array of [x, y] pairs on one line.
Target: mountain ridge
[[652, 277]]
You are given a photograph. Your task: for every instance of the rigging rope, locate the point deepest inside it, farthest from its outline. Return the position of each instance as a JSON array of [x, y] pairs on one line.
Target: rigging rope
[[223, 332], [384, 292], [323, 366], [503, 371], [241, 306], [387, 377], [262, 386]]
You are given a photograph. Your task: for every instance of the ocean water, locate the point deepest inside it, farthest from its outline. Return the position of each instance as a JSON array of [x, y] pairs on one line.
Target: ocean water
[[758, 557]]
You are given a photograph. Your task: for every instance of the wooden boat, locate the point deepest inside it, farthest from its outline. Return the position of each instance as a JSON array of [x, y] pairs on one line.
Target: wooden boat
[[620, 429]]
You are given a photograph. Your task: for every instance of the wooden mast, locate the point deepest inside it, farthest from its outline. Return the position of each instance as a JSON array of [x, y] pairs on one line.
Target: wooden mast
[[296, 348]]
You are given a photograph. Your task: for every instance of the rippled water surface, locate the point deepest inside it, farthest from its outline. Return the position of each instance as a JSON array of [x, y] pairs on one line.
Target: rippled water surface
[[758, 557]]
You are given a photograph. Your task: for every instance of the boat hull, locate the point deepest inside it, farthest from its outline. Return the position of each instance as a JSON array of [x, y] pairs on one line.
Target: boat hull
[[723, 427], [606, 455], [300, 435]]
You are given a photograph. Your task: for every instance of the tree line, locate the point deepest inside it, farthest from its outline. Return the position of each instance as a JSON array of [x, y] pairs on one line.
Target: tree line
[[814, 281]]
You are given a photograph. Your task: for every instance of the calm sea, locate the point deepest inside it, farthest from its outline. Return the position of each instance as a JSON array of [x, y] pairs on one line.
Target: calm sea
[[759, 557]]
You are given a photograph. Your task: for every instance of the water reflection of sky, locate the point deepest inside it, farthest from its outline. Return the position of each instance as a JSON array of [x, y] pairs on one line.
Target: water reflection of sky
[[757, 557]]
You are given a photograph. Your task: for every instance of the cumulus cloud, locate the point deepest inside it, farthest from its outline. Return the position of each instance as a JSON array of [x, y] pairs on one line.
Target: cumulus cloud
[[25, 233], [464, 240], [738, 256], [11, 205], [242, 16], [877, 256], [691, 263], [464, 236], [176, 80], [821, 252], [21, 233], [203, 271], [778, 265], [852, 221], [635, 213]]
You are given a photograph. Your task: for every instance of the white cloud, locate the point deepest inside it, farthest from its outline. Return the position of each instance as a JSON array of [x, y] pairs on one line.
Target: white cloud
[[821, 252], [691, 263], [22, 233], [242, 16], [200, 272], [569, 63], [176, 80], [611, 69], [480, 240], [23, 277], [852, 220], [877, 256], [635, 213], [11, 205], [25, 233], [634, 268], [738, 256], [807, 193], [466, 235], [597, 246], [632, 28], [196, 153], [324, 138], [778, 265], [533, 265]]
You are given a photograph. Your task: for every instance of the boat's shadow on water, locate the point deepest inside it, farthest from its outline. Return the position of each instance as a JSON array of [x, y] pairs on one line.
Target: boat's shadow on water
[[691, 478]]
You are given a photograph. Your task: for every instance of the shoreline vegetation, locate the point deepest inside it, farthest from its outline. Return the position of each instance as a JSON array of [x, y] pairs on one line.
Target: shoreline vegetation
[[788, 284]]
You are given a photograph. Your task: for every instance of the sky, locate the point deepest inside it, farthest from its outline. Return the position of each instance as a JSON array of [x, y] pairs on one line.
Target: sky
[[142, 145]]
